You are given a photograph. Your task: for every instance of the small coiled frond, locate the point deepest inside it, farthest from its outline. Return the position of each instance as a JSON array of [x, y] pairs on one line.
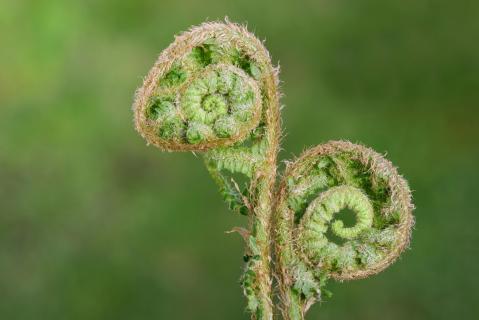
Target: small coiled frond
[[315, 189], [206, 90], [215, 90]]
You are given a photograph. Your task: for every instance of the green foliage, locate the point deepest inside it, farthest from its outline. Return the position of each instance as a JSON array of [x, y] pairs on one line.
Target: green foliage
[[207, 96], [250, 278], [174, 77]]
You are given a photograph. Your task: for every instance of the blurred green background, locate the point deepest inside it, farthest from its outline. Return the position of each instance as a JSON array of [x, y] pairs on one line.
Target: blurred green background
[[95, 225]]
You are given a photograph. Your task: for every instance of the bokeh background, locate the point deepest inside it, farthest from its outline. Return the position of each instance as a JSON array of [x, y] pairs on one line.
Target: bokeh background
[[95, 225]]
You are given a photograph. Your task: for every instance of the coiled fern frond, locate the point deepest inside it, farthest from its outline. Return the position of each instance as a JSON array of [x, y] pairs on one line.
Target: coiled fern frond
[[214, 90], [313, 244]]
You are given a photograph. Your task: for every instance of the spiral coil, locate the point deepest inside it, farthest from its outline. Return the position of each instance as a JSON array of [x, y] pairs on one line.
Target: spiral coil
[[314, 243], [204, 92]]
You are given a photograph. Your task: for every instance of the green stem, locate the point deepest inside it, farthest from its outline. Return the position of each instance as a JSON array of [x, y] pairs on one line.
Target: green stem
[[261, 231], [291, 306], [267, 184]]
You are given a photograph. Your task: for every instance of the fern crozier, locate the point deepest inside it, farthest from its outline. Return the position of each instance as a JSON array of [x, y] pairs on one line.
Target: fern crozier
[[214, 90]]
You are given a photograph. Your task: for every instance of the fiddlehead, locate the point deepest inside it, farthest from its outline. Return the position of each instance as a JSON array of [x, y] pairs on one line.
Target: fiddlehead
[[314, 190], [214, 90]]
